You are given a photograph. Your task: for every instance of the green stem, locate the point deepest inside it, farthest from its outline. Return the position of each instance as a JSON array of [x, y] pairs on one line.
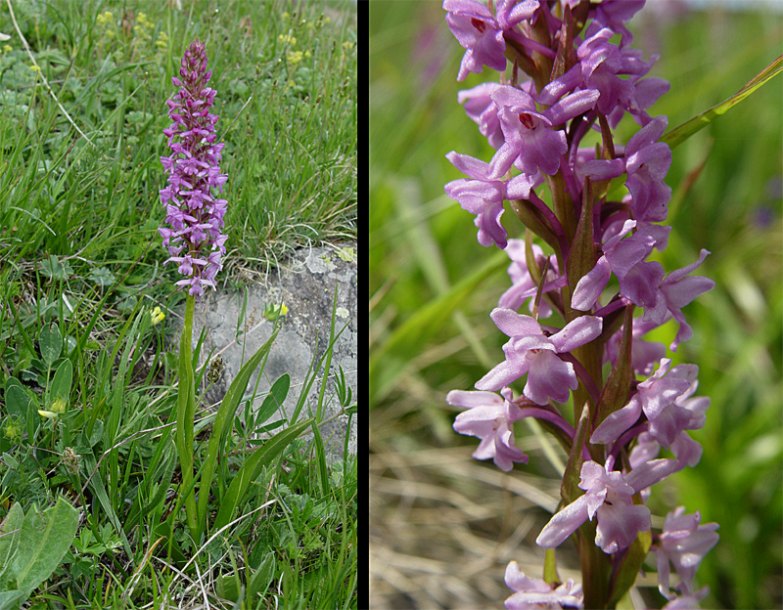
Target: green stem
[[186, 410]]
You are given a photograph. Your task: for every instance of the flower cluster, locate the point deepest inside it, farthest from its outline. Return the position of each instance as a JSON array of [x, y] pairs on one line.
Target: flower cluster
[[194, 213], [598, 289]]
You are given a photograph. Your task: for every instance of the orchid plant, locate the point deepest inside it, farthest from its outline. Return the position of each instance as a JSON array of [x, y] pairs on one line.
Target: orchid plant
[[196, 243], [589, 292]]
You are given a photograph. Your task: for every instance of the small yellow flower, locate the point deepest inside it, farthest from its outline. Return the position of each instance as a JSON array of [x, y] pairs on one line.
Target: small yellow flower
[[348, 45], [162, 41], [273, 312], [57, 408], [142, 28], [287, 39], [157, 316], [286, 15], [294, 57], [7, 48], [104, 19], [308, 54], [35, 68]]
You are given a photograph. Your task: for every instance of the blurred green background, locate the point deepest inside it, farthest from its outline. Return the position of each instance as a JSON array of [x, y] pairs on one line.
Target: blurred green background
[[443, 527]]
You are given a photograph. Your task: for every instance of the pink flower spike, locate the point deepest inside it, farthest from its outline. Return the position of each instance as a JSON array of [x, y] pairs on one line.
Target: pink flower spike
[[194, 240]]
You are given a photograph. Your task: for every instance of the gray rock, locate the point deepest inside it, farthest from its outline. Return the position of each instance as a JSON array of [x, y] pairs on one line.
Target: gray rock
[[235, 327]]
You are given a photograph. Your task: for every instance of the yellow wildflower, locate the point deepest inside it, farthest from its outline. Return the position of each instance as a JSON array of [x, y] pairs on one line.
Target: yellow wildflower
[[348, 45], [294, 57], [104, 19], [7, 48], [162, 41], [287, 39], [157, 316], [57, 408]]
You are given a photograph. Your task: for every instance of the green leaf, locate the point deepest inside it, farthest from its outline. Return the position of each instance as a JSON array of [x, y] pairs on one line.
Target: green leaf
[[679, 134], [17, 401], [225, 414], [50, 343], [275, 399], [262, 577], [61, 384], [251, 469], [11, 600], [9, 541], [43, 541], [55, 269], [102, 277]]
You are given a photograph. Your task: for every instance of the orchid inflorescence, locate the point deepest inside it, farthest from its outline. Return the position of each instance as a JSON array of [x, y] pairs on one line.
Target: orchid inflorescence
[[597, 288], [194, 214]]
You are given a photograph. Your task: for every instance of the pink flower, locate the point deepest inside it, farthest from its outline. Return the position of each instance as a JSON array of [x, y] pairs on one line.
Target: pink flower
[[530, 142], [665, 399], [193, 211], [490, 418], [532, 352], [536, 594], [609, 498], [481, 34], [682, 544]]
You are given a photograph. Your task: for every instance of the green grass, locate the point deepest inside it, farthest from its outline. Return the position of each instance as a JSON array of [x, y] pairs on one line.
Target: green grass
[[81, 270], [432, 286]]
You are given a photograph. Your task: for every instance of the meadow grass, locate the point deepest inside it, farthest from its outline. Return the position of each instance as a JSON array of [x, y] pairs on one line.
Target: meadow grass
[[445, 526], [81, 272]]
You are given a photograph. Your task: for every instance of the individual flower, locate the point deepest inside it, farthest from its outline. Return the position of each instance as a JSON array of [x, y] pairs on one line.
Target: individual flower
[[614, 71], [665, 399], [490, 418], [536, 594], [482, 110], [623, 254], [609, 498], [483, 196], [481, 34], [480, 196], [530, 141], [194, 214], [157, 315], [682, 544], [673, 293], [532, 352], [647, 161]]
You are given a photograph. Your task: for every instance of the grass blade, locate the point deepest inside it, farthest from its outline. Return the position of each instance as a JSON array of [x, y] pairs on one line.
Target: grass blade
[[251, 468], [679, 134]]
